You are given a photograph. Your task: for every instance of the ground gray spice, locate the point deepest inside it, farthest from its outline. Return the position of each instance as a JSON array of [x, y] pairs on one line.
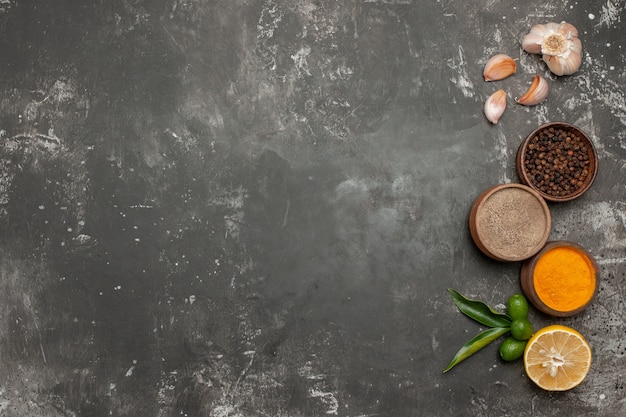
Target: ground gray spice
[[511, 223]]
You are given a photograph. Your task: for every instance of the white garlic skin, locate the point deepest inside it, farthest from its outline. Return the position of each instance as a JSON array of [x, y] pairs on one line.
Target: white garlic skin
[[498, 67], [559, 45], [495, 106], [536, 93]]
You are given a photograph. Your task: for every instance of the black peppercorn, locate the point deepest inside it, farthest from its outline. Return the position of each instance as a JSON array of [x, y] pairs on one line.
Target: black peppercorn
[[557, 161]]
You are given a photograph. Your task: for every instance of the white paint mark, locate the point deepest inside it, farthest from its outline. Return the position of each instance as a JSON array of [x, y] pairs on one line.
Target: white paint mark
[[63, 91], [130, 371], [500, 307], [497, 36], [611, 93], [611, 261], [226, 410], [268, 21], [235, 218], [606, 222], [462, 79], [352, 187], [306, 371], [501, 154], [592, 16], [328, 398], [192, 299], [610, 14], [300, 60]]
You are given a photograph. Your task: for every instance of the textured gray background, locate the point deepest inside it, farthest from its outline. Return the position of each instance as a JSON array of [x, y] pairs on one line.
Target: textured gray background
[[237, 208]]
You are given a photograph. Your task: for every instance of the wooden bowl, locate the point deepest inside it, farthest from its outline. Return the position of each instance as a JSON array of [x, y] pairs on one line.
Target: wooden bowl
[[558, 160], [510, 222], [573, 284]]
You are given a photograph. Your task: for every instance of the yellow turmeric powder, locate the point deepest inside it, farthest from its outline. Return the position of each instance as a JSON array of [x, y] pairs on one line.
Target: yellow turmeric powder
[[564, 279]]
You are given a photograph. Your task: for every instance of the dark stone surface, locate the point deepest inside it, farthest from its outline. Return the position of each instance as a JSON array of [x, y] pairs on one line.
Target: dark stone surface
[[254, 208]]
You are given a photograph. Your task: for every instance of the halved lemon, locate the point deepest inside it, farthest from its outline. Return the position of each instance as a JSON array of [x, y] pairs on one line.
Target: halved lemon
[[557, 358]]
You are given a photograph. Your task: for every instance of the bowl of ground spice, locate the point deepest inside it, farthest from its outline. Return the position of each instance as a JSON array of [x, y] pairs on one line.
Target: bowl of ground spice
[[558, 160], [510, 222], [561, 279]]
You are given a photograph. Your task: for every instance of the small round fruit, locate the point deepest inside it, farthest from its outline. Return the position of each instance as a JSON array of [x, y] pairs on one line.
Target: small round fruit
[[521, 329], [557, 358], [517, 306], [511, 349]]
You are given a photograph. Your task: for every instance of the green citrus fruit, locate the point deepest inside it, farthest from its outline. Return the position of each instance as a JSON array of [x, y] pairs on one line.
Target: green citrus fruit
[[521, 329], [511, 348], [517, 306]]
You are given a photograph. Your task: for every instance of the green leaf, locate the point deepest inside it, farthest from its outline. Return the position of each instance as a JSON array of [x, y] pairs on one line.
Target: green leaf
[[476, 344], [479, 311]]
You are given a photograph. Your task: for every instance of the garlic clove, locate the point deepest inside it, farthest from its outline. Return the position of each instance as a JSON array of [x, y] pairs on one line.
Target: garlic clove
[[576, 46], [498, 67], [495, 106], [562, 66], [568, 30], [531, 43], [536, 93]]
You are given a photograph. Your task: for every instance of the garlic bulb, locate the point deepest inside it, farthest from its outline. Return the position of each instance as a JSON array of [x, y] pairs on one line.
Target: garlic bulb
[[559, 44], [498, 67], [536, 93], [495, 106]]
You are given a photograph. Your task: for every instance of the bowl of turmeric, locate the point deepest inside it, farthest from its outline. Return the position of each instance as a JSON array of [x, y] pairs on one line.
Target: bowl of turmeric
[[561, 279]]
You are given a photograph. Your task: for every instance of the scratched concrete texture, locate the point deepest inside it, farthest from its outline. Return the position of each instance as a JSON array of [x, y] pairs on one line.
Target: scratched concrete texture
[[238, 208]]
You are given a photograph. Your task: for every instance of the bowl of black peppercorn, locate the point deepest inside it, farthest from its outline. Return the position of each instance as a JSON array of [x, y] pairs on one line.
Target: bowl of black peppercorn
[[558, 160]]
